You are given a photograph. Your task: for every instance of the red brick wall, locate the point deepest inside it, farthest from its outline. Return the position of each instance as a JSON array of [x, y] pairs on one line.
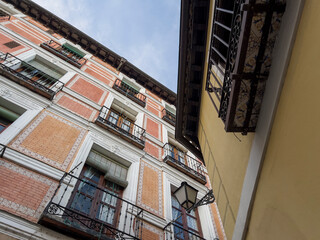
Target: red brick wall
[[50, 139], [99, 73], [150, 189], [23, 192], [153, 149], [76, 106], [105, 64], [154, 107], [88, 89], [26, 31], [4, 38], [151, 232], [153, 127]]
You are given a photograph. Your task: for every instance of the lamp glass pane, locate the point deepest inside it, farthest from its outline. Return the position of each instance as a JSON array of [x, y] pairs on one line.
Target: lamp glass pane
[[180, 194], [192, 194]]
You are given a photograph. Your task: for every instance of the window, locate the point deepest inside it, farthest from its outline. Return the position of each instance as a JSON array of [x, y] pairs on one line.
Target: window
[[66, 51], [187, 225], [96, 197], [6, 118], [131, 90], [120, 121], [37, 74], [40, 72], [176, 153], [169, 114], [9, 113]]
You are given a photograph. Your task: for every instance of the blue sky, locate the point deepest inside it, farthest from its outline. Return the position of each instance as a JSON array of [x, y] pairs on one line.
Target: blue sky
[[145, 32]]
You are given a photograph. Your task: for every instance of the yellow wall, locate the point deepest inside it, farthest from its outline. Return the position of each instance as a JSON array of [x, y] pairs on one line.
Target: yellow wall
[[225, 156], [287, 203]]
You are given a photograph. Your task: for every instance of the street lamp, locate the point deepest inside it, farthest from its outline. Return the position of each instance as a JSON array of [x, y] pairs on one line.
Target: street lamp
[[187, 195]]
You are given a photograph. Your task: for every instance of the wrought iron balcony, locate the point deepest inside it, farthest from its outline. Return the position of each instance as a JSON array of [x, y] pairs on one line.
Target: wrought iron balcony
[[29, 76], [185, 163], [121, 126], [4, 16], [65, 53], [243, 36], [130, 92], [169, 117], [81, 209], [175, 231]]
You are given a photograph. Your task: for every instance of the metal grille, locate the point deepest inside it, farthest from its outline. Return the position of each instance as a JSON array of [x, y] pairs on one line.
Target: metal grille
[[12, 44], [68, 213], [243, 37]]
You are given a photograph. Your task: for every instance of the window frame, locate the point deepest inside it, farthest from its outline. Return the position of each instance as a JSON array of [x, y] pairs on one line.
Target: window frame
[[184, 219], [96, 197]]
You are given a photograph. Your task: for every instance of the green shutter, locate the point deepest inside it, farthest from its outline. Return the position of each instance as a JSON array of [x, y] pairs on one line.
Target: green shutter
[[130, 84], [7, 114], [74, 50]]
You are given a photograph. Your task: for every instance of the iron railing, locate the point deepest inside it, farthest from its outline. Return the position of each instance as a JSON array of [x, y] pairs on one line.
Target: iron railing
[[120, 125], [64, 53], [242, 41], [174, 231], [4, 16], [130, 92], [184, 163], [66, 211], [169, 117], [29, 76]]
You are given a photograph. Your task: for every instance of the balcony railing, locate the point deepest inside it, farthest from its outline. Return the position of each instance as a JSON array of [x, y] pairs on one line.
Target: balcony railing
[[29, 76], [185, 163], [174, 231], [4, 16], [115, 218], [64, 53], [130, 92], [243, 37], [119, 125], [169, 117]]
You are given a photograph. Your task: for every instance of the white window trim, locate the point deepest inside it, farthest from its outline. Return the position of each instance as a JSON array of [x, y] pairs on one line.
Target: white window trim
[[207, 225]]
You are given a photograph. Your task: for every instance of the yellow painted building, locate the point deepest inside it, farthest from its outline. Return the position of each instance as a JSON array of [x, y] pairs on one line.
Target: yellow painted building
[[254, 122]]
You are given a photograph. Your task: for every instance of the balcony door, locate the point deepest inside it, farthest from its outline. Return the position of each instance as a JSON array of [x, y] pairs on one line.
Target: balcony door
[[120, 121], [96, 197], [187, 225]]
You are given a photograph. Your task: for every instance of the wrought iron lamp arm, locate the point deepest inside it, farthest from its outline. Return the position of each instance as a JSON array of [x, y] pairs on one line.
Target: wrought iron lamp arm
[[207, 199]]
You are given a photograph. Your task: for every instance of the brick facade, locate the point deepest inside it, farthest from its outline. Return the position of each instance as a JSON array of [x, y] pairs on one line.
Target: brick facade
[[50, 139], [150, 189], [23, 192]]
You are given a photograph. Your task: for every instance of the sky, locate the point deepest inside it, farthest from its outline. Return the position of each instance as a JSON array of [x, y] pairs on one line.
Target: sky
[[145, 32]]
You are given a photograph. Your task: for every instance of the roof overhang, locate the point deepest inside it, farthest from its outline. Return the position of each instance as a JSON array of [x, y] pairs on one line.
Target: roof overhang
[[192, 51]]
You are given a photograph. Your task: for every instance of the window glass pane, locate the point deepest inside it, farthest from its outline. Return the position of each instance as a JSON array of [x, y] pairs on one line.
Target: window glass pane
[[109, 199], [192, 223], [175, 214], [92, 174], [106, 213], [125, 125], [175, 202], [178, 233], [113, 118], [2, 127], [181, 156], [87, 188], [81, 203]]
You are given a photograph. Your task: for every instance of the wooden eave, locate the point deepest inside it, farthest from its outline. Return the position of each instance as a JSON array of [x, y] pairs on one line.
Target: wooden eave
[[192, 49]]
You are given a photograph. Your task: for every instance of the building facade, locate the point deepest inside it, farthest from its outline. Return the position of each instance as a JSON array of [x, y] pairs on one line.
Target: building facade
[[254, 68], [87, 140]]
